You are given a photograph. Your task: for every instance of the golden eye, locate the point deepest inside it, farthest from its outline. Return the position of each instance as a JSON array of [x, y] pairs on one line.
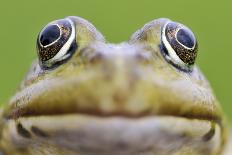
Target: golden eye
[[179, 45], [56, 43]]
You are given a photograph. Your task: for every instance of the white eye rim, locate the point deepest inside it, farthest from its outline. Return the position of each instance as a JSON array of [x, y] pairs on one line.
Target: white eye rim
[[173, 57], [54, 40], [61, 54]]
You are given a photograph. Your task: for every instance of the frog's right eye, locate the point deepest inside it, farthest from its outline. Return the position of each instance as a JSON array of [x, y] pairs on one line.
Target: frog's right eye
[[56, 43]]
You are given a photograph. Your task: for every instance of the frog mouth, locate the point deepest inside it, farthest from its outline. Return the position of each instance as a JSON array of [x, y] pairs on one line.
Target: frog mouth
[[87, 134], [95, 131]]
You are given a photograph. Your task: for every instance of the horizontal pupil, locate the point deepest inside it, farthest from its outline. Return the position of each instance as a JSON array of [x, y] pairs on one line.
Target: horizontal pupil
[[185, 37], [49, 35]]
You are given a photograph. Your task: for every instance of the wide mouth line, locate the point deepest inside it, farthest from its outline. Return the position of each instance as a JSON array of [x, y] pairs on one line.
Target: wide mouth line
[[17, 114], [69, 127]]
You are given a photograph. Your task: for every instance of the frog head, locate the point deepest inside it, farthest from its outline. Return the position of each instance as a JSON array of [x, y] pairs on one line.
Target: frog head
[[88, 96]]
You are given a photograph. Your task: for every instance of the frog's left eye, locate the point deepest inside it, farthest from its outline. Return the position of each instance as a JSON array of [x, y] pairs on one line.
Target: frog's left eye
[[56, 43], [180, 45]]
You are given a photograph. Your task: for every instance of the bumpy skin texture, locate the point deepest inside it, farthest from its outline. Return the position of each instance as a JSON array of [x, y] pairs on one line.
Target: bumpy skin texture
[[123, 99]]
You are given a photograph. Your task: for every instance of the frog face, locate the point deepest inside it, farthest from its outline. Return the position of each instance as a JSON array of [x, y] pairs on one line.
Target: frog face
[[119, 95]]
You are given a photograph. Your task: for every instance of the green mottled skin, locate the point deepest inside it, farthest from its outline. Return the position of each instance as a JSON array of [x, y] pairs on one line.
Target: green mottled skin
[[114, 99]]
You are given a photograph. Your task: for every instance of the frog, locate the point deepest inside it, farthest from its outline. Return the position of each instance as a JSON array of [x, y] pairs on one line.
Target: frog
[[86, 96]]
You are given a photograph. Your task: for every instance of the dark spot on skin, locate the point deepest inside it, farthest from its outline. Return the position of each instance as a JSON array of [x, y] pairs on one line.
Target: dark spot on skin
[[95, 58], [209, 135], [22, 131], [119, 98], [38, 132], [122, 146]]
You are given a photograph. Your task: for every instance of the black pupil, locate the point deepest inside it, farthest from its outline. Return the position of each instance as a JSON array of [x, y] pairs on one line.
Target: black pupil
[[49, 35], [185, 37]]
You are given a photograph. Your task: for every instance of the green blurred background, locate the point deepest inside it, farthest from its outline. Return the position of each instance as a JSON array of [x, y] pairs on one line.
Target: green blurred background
[[210, 20]]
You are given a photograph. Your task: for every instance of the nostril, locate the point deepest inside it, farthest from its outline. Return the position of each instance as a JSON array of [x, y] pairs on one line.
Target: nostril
[[95, 57], [90, 55], [143, 57]]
